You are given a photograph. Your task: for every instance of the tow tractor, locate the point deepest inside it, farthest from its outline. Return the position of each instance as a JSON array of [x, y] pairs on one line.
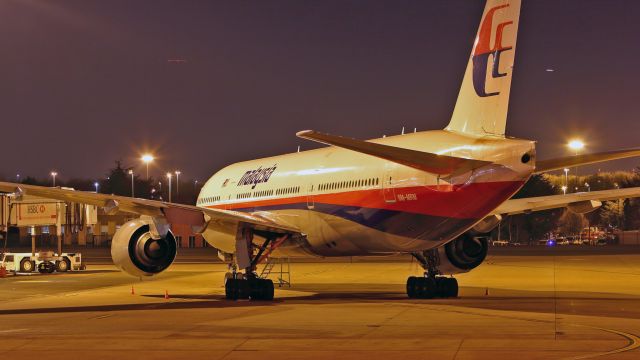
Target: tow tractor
[[44, 262]]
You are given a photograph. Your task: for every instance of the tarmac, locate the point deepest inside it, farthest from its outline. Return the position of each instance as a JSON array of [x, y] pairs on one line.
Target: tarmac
[[518, 304]]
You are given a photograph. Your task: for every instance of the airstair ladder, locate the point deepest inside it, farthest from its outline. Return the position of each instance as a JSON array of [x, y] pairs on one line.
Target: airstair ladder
[[283, 273]]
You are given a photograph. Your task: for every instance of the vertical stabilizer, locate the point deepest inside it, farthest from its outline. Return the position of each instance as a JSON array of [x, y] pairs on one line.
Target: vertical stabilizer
[[483, 100]]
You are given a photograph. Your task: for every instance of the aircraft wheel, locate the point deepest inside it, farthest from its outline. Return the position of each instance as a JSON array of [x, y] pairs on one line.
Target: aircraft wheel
[[262, 289], [268, 290], [411, 287], [452, 287]]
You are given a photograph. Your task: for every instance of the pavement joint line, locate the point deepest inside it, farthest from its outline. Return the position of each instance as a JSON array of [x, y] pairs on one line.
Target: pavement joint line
[[384, 322], [234, 348], [455, 355]]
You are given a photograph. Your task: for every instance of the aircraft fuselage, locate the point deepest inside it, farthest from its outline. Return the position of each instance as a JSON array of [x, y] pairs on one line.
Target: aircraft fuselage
[[352, 204]]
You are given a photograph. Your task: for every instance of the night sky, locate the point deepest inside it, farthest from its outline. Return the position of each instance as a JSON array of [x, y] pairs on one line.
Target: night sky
[[206, 83]]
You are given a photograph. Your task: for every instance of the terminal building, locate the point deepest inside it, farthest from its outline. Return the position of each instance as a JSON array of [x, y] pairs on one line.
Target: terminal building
[[45, 224]]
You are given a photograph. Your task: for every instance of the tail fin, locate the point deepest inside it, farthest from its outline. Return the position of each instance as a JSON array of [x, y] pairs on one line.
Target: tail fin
[[483, 100]]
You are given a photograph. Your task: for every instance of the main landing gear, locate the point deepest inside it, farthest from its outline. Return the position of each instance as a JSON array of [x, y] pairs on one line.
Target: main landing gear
[[249, 285], [431, 285], [252, 287]]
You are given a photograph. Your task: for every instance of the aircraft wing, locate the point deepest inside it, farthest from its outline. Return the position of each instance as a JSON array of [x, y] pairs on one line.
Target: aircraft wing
[[217, 219], [429, 162], [585, 159], [580, 202]]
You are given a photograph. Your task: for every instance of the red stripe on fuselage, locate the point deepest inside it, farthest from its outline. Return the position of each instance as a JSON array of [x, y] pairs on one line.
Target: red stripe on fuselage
[[470, 201]]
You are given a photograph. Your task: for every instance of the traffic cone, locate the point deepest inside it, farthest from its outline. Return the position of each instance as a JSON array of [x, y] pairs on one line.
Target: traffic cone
[[166, 295], [133, 292]]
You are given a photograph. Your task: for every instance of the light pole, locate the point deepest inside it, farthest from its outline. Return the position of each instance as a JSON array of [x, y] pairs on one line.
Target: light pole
[[195, 184], [53, 175], [178, 183], [576, 145], [17, 178], [566, 178], [147, 158], [169, 177], [96, 184], [564, 189], [132, 190]]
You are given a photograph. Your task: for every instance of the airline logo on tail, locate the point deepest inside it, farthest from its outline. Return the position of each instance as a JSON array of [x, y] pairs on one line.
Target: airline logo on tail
[[483, 49]]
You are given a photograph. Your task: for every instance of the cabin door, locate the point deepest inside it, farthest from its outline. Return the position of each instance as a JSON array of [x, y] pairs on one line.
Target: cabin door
[[310, 200], [388, 192]]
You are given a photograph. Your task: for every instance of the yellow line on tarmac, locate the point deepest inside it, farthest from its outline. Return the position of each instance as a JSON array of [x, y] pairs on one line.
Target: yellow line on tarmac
[[634, 343]]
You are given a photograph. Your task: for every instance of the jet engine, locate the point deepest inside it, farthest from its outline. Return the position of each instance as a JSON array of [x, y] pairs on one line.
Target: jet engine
[[137, 252], [464, 253]]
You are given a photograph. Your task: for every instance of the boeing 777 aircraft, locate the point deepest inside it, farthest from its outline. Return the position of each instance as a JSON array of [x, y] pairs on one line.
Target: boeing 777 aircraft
[[433, 194]]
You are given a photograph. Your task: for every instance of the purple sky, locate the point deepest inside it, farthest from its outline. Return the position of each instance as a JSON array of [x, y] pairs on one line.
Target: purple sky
[[87, 82]]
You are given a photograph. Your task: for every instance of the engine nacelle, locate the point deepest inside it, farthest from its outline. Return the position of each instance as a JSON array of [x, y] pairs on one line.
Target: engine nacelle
[[464, 253], [136, 252]]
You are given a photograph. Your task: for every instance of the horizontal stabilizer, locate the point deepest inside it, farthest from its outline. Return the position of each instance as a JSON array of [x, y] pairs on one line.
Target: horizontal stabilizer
[[429, 162], [569, 161]]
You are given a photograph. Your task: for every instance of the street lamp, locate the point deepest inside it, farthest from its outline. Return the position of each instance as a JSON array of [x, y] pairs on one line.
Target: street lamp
[[132, 190], [147, 158], [576, 145], [566, 177], [17, 178], [169, 177], [178, 182], [96, 184], [53, 175]]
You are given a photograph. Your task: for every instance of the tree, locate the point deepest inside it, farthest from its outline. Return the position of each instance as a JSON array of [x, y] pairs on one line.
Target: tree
[[537, 224], [118, 182], [610, 214], [571, 223]]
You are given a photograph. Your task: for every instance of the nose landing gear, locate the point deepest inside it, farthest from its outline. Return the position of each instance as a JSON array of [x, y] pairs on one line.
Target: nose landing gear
[[432, 285]]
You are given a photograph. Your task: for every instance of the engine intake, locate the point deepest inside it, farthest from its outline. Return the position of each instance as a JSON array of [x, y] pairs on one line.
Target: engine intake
[[136, 252], [464, 253]]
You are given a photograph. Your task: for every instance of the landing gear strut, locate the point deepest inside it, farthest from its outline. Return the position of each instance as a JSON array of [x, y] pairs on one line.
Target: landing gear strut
[[249, 285], [432, 284]]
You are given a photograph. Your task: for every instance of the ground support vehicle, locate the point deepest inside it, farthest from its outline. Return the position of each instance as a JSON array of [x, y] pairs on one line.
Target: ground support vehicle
[[44, 262]]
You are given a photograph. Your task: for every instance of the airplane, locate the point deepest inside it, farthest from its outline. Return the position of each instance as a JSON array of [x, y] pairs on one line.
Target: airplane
[[433, 194]]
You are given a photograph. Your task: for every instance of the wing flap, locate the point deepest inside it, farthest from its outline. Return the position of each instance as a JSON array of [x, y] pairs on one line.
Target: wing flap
[[429, 162]]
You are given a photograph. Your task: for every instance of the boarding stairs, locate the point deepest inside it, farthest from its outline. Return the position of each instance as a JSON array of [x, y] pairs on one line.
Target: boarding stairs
[[282, 272]]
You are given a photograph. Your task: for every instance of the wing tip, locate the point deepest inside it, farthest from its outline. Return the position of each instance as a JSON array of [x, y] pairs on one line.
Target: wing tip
[[305, 133]]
